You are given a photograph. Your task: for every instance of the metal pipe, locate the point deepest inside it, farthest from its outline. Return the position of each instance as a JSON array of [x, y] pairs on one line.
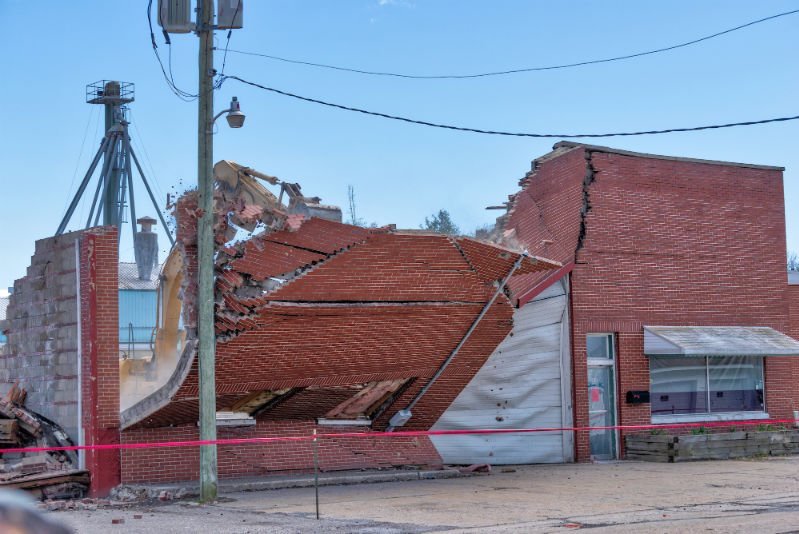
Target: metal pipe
[[82, 188], [152, 197], [109, 152], [129, 173], [401, 417], [111, 193], [121, 203], [94, 202]]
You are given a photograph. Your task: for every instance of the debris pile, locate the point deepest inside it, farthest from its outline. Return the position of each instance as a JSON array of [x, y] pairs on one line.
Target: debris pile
[[45, 474]]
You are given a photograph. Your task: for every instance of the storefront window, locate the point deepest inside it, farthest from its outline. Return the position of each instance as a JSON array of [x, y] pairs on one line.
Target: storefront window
[[706, 385]]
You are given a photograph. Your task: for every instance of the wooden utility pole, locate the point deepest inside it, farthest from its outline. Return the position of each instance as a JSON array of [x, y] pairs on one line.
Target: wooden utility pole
[[205, 252]]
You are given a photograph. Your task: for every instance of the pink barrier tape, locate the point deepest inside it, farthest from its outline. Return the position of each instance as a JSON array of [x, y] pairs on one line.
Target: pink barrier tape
[[407, 433]]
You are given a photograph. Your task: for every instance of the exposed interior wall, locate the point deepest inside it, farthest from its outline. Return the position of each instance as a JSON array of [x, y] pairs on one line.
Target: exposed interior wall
[[519, 386], [181, 464], [42, 326]]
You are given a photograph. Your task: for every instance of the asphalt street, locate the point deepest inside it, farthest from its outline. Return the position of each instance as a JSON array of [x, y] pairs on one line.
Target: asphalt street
[[759, 495]]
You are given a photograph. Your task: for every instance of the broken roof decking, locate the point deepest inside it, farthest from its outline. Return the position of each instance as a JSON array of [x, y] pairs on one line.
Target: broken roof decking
[[356, 306]]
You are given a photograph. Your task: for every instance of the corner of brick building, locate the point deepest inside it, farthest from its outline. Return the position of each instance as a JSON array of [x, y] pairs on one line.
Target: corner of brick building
[[658, 241], [99, 334], [663, 239]]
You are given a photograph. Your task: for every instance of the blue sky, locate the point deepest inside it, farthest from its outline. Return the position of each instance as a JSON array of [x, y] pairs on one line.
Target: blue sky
[[401, 173]]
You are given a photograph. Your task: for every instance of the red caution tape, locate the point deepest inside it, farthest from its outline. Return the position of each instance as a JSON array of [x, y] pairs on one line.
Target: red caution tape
[[410, 433]]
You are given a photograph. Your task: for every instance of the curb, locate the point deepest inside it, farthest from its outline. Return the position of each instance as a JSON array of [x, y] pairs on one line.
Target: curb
[[135, 492]]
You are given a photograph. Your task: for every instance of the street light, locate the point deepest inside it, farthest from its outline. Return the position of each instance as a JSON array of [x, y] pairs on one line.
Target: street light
[[235, 118]]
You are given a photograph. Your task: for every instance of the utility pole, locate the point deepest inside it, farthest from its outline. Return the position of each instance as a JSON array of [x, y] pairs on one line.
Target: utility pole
[[174, 17], [205, 252]]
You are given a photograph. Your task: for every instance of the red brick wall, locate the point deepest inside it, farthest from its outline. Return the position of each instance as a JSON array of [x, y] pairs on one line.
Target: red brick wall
[[546, 213], [679, 243], [793, 331], [99, 320], [793, 309], [335, 454], [665, 243]]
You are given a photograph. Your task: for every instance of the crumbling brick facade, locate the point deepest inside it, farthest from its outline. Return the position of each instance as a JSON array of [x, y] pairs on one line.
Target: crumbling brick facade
[[658, 241], [315, 311]]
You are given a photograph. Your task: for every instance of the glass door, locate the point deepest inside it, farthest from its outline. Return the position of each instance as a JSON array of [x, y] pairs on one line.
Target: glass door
[[602, 396]]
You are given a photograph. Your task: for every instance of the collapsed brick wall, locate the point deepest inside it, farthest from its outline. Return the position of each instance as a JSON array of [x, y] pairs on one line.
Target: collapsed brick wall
[[42, 326], [364, 294], [182, 463], [660, 242]]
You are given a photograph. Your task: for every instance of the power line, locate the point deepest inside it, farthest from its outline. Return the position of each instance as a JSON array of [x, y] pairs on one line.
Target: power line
[[149, 163], [227, 46], [513, 71], [511, 134], [80, 155], [170, 81]]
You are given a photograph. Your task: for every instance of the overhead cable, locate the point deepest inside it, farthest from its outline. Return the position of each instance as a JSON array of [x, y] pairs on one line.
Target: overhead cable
[[170, 81], [511, 71], [511, 134], [227, 46]]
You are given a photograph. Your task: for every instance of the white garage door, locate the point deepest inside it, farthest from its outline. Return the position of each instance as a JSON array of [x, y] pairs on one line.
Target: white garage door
[[520, 386]]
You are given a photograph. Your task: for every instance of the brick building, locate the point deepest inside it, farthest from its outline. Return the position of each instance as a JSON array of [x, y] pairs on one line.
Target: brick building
[[320, 326], [667, 301], [655, 241]]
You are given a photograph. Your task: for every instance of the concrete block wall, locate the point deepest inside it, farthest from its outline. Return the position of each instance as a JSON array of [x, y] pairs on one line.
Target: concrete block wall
[[42, 326], [63, 345]]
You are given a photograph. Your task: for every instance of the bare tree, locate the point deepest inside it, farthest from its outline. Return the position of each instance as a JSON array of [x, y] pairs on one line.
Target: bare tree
[[793, 261], [354, 220]]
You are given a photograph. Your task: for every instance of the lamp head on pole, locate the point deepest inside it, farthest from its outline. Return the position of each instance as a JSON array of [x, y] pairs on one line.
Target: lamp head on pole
[[235, 118]]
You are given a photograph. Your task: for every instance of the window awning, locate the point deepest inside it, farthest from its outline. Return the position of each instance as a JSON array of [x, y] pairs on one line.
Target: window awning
[[717, 341]]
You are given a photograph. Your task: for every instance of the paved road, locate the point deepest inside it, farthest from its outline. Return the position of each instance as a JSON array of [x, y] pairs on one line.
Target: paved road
[[725, 496]]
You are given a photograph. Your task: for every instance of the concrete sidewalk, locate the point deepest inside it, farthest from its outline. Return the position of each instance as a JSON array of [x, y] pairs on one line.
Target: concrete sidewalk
[[180, 490], [722, 496]]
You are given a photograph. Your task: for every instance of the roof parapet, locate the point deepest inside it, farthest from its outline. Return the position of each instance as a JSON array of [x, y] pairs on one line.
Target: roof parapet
[[608, 150]]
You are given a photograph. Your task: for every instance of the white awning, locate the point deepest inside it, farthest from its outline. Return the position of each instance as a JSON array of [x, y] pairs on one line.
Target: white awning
[[717, 341]]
